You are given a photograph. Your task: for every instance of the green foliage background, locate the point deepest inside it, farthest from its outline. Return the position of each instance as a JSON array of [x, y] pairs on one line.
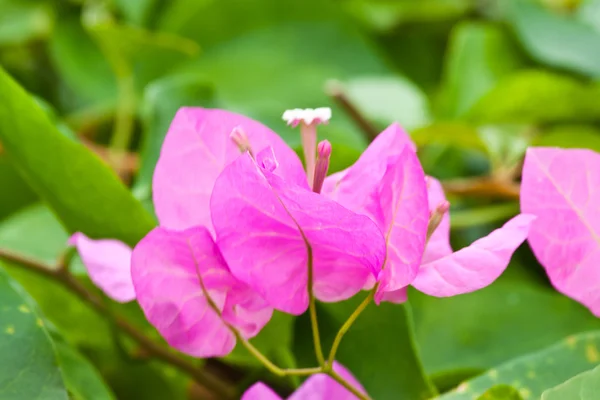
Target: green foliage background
[[473, 81]]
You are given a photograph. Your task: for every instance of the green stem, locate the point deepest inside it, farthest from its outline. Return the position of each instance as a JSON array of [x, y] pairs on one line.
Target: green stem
[[312, 309], [346, 326], [334, 375]]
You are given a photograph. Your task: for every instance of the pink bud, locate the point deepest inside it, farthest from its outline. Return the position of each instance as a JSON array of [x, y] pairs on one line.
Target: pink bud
[[322, 165], [239, 137], [436, 217]]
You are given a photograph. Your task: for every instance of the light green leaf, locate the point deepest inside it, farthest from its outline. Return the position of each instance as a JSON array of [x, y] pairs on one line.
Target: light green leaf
[[379, 349], [389, 99], [532, 374], [570, 136], [22, 20], [554, 39], [77, 185], [585, 386], [537, 96], [28, 367], [487, 53], [501, 392]]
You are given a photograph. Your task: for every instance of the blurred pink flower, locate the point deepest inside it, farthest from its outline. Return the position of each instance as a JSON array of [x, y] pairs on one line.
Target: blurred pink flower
[[562, 188], [317, 387]]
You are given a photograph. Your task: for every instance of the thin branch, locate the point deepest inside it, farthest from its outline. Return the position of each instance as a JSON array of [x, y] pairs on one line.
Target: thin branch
[[347, 385], [63, 277], [483, 187], [335, 90], [312, 309]]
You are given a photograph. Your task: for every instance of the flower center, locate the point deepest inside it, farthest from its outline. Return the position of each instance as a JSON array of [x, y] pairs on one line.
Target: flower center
[[308, 119]]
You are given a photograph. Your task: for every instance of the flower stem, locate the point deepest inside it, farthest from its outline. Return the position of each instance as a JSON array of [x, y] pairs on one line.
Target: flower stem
[[61, 275], [346, 326], [335, 376], [312, 309]]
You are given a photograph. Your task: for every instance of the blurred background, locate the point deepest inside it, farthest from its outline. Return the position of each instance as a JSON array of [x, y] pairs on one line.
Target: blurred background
[[474, 82]]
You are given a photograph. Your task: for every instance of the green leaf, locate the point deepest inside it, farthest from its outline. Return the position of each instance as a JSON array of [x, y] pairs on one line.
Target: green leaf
[[21, 21], [570, 136], [20, 193], [389, 99], [487, 53], [449, 133], [537, 96], [480, 329], [556, 40], [161, 100], [138, 12], [296, 76], [585, 386], [501, 392], [379, 349], [80, 376], [533, 373], [77, 185], [28, 368]]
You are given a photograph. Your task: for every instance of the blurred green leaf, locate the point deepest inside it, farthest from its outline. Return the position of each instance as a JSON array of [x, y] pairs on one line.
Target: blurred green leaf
[[501, 392], [379, 349], [263, 73], [533, 373], [28, 368], [513, 316], [386, 14], [554, 39], [537, 96], [589, 13], [22, 20], [570, 136], [389, 99], [19, 194], [161, 100], [82, 191], [449, 133], [81, 378], [585, 386], [139, 12], [479, 55]]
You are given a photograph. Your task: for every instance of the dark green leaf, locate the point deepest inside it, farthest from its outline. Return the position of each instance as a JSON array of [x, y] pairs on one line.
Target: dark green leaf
[[379, 348], [79, 187], [28, 368], [570, 136]]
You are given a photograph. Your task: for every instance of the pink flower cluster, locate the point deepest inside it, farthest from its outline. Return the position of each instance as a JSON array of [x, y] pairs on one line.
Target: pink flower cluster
[[243, 227]]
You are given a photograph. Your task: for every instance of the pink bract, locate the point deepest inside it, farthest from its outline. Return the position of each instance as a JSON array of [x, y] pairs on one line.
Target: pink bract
[[317, 387], [196, 149], [176, 274], [562, 188], [108, 264]]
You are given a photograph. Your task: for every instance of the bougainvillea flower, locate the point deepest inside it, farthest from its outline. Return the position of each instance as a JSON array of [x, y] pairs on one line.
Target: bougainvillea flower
[[108, 264], [281, 227], [317, 387], [387, 183], [561, 187], [187, 292]]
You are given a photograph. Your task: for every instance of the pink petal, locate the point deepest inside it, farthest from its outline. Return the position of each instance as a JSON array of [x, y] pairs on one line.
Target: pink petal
[[195, 151], [108, 264], [396, 296], [165, 268], [354, 187], [438, 245], [323, 387], [260, 391], [561, 187], [402, 213], [476, 266], [264, 223]]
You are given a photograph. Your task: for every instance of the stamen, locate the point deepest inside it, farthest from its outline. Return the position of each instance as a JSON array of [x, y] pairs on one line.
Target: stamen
[[436, 217], [239, 137], [323, 156], [308, 119]]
